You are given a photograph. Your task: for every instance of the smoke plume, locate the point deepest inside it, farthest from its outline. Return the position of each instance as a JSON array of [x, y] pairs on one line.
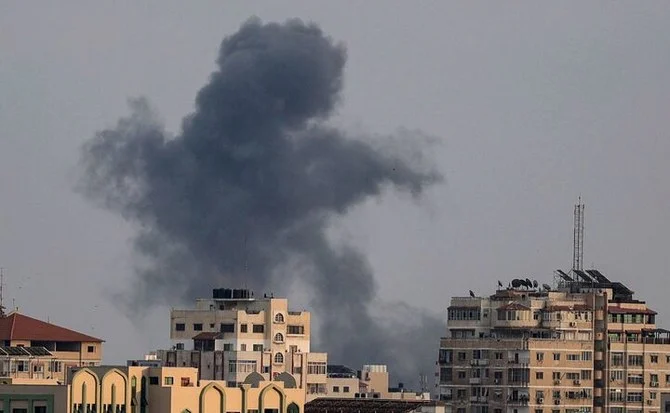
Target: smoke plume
[[245, 193]]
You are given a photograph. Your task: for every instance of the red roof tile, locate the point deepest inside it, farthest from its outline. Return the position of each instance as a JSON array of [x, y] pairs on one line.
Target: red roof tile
[[208, 336], [619, 310], [17, 326]]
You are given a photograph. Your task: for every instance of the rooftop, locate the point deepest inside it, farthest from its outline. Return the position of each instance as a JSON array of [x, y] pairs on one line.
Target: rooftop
[[366, 405], [16, 326]]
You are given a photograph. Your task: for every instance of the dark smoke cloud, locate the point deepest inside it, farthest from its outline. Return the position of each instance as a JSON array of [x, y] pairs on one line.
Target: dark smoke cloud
[[246, 192]]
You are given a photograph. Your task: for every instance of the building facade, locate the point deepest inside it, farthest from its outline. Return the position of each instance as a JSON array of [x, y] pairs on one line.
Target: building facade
[[139, 389], [585, 345], [32, 349], [234, 334]]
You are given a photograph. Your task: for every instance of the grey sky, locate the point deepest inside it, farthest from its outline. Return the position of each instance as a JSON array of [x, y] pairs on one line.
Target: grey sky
[[535, 104]]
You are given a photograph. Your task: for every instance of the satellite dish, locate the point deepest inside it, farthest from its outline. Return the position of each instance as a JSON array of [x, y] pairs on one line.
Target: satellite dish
[[516, 283], [534, 283], [546, 287], [529, 283], [472, 294], [499, 284]]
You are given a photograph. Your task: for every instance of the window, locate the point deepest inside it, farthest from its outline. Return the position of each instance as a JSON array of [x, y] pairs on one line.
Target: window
[[243, 347], [345, 389], [90, 349], [211, 325], [197, 327], [556, 375], [654, 358], [279, 318], [295, 329], [243, 328], [586, 355], [153, 380], [634, 396], [279, 358], [573, 357], [461, 374], [314, 367], [227, 347], [461, 356], [498, 356], [539, 375], [617, 359], [279, 338], [586, 374], [557, 356], [616, 375], [539, 356], [169, 381], [258, 328], [241, 366], [636, 360], [258, 347], [180, 327], [227, 328], [336, 389], [231, 384]]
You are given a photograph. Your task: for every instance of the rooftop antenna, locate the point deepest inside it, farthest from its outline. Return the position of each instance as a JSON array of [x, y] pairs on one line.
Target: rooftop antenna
[[578, 242], [2, 282]]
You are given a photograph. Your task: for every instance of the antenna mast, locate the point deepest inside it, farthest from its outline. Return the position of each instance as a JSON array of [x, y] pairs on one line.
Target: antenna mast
[[578, 244], [2, 282]]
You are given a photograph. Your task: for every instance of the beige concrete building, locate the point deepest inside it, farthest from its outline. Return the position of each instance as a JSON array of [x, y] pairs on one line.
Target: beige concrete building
[[234, 334], [32, 349], [371, 382], [585, 345], [138, 389]]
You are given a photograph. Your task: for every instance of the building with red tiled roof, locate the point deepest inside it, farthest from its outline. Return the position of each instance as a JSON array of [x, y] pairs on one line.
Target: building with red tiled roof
[[66, 348]]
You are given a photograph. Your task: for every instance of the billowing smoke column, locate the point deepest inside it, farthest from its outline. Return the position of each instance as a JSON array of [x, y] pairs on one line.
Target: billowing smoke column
[[246, 193]]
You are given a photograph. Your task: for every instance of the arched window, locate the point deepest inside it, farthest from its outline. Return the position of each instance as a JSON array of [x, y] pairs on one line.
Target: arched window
[[279, 358], [279, 338], [279, 318], [293, 408]]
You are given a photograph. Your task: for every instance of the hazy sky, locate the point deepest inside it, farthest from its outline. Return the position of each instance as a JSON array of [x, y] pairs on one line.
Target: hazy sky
[[535, 103]]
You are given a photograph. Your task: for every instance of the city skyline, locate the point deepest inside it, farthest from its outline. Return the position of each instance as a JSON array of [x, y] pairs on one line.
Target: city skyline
[[533, 108]]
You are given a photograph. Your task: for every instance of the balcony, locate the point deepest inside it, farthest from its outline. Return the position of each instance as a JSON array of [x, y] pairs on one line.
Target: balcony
[[479, 362]]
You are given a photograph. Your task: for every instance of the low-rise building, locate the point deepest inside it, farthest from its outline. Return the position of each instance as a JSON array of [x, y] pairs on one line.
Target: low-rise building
[[35, 349], [137, 389]]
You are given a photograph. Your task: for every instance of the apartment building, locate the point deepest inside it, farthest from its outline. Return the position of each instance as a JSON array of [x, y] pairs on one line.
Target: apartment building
[[234, 334], [142, 389], [582, 345], [31, 349]]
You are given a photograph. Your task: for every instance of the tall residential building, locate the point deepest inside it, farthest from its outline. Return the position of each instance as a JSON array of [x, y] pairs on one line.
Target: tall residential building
[[32, 349], [583, 345], [234, 334]]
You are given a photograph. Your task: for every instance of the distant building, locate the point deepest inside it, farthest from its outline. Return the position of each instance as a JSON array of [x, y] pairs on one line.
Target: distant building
[[107, 389], [36, 350], [323, 405], [372, 382], [585, 345], [234, 334]]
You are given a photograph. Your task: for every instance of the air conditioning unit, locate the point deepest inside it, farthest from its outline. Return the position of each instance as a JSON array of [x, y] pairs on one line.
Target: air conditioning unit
[[649, 402], [557, 382], [496, 381], [540, 400], [654, 384], [577, 382], [557, 402], [573, 324]]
